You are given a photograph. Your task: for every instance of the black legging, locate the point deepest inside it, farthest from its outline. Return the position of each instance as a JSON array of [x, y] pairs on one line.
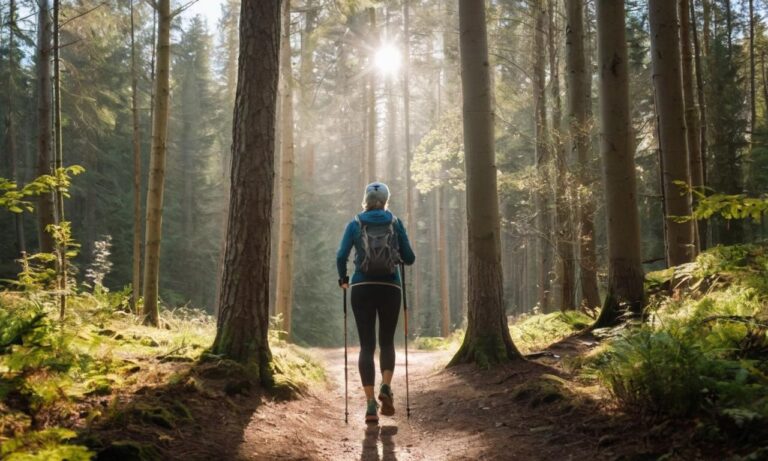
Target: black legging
[[367, 301]]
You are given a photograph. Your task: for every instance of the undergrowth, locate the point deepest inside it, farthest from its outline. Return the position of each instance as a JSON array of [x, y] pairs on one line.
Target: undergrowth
[[704, 351], [532, 333]]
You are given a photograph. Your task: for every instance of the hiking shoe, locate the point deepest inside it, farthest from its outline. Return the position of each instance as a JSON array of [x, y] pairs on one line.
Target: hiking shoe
[[387, 400], [371, 413]]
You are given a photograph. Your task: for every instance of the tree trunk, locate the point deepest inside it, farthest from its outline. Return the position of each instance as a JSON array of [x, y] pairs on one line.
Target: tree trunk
[[579, 102], [305, 92], [487, 340], [543, 160], [156, 182], [752, 98], [371, 102], [625, 296], [703, 227], [409, 205], [10, 121], [59, 156], [564, 228], [442, 251], [667, 81], [243, 318], [691, 114], [136, 273], [284, 284], [45, 207]]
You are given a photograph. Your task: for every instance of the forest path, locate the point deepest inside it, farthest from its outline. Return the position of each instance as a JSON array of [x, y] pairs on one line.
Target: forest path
[[456, 414]]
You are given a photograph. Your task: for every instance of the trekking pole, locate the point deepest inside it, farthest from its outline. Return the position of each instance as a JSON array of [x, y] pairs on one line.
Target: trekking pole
[[405, 314], [346, 382]]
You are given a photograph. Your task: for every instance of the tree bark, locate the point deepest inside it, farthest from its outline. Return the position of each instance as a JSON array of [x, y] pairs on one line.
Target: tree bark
[[45, 208], [305, 91], [136, 272], [442, 244], [752, 98], [10, 121], [156, 183], [59, 156], [243, 318], [284, 284], [625, 296], [691, 114], [487, 340], [579, 126], [703, 227], [667, 81], [543, 161], [564, 228]]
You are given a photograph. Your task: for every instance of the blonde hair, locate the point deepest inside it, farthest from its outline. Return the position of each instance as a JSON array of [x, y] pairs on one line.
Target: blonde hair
[[375, 205]]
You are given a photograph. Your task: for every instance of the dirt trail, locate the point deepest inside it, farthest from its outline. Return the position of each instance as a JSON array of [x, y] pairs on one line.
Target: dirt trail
[[314, 428], [456, 414]]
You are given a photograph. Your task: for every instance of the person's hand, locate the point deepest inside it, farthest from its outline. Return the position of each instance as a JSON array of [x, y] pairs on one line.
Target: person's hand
[[344, 283], [344, 286]]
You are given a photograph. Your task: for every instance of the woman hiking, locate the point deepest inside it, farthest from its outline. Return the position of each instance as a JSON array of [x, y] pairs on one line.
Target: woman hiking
[[381, 244]]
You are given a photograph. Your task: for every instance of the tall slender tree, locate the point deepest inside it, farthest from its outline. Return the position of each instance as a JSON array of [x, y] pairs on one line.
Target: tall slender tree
[[156, 184], [487, 340], [703, 227], [579, 125], [58, 154], [564, 225], [625, 294], [543, 159], [10, 124], [137, 221], [45, 207], [243, 317], [691, 111], [284, 284], [371, 100], [670, 108]]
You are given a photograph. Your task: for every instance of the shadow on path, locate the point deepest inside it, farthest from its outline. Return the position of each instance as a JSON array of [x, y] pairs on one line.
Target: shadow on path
[[375, 433]]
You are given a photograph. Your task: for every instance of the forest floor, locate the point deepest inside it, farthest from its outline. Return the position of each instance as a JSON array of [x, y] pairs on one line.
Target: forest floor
[[528, 410]]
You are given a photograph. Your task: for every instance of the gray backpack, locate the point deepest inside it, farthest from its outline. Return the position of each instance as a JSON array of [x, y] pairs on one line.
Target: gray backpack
[[381, 248]]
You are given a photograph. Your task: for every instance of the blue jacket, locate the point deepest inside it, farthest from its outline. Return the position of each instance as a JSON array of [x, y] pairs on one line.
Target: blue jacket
[[352, 239]]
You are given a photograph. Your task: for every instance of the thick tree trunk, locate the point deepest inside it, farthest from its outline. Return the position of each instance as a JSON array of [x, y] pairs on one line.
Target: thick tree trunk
[[487, 340], [543, 161], [667, 81], [703, 226], [442, 251], [691, 113], [156, 184], [243, 318], [625, 296], [45, 208], [284, 284], [579, 102], [136, 273]]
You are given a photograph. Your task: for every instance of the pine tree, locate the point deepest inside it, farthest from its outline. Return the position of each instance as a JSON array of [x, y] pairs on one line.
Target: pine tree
[[487, 340], [243, 317]]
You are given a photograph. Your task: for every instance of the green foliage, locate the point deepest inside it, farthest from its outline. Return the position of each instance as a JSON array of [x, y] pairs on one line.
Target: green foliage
[[15, 200], [534, 332], [434, 343], [439, 157], [704, 350], [45, 445]]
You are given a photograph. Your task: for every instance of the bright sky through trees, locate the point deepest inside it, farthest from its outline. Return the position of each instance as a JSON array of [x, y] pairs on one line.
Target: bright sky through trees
[[388, 59]]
